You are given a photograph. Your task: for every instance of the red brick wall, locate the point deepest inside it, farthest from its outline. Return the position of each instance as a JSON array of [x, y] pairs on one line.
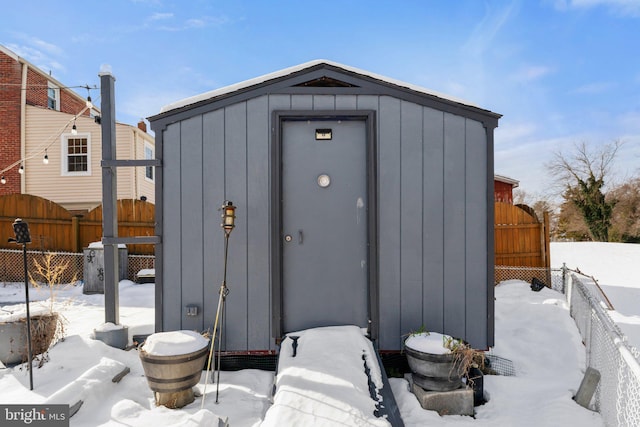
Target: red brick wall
[[36, 94], [10, 79]]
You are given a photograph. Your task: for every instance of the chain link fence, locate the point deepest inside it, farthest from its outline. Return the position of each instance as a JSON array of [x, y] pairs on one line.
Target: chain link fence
[[71, 265], [608, 351]]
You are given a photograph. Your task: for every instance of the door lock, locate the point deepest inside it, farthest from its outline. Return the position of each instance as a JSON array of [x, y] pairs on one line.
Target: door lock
[[288, 238]]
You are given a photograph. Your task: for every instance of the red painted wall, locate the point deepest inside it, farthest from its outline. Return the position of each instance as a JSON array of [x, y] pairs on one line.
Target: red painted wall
[[503, 192]]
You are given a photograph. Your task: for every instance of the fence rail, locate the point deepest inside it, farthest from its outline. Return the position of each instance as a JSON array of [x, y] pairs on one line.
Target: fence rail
[[608, 351], [53, 228]]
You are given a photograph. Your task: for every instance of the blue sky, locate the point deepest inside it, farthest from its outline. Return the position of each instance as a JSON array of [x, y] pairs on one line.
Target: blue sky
[[560, 71]]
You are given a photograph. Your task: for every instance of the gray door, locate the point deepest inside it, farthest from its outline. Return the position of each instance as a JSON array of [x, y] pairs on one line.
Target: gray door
[[324, 224]]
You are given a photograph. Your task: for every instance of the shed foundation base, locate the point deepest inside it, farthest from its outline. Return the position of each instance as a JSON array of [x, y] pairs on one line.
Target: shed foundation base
[[454, 402]]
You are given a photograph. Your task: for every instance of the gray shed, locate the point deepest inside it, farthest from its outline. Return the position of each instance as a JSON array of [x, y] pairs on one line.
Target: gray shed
[[361, 200]]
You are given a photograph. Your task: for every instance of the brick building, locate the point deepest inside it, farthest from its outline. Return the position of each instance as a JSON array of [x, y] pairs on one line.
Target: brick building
[[37, 118]]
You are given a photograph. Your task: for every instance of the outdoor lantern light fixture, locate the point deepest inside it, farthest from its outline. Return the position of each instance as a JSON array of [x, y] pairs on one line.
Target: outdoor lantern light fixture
[[21, 230], [228, 216], [228, 224]]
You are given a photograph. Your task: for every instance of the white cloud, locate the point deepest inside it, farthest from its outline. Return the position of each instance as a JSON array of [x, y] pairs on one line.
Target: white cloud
[[593, 88], [530, 73], [485, 32], [510, 133], [42, 54], [160, 16], [191, 23], [620, 7], [630, 121]]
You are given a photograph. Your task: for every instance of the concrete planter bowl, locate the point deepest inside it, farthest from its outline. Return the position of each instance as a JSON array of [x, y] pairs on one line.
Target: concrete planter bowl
[[434, 372], [13, 337], [172, 378]]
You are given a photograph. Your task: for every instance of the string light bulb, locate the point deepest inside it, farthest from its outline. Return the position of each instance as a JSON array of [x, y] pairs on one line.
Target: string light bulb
[[45, 159], [3, 180], [89, 103], [74, 129], [21, 170]]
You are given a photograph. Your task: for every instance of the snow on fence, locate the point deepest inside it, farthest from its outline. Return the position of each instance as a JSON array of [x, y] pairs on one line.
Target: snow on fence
[[618, 394], [12, 269]]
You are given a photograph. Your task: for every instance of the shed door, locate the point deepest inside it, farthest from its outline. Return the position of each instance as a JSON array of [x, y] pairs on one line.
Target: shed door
[[324, 224]]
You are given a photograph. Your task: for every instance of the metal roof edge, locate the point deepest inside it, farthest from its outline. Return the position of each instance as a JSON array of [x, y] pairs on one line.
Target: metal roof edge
[[308, 66]]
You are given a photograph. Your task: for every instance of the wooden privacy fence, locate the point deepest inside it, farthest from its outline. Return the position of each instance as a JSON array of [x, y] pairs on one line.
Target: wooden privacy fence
[[54, 228], [521, 244]]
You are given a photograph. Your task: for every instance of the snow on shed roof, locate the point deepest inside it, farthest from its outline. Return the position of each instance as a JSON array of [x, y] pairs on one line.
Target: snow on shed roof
[[288, 71]]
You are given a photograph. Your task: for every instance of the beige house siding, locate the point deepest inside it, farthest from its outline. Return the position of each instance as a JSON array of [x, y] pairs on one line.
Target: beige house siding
[[45, 130], [145, 186]]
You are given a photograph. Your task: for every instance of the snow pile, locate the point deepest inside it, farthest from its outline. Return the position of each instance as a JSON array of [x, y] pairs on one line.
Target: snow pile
[[99, 245], [108, 326], [325, 382], [174, 343], [15, 313], [428, 342]]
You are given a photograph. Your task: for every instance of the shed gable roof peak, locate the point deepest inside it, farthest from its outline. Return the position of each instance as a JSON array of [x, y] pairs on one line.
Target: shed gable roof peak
[[303, 68]]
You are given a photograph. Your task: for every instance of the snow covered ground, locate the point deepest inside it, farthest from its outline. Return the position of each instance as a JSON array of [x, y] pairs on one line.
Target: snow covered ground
[[533, 329]]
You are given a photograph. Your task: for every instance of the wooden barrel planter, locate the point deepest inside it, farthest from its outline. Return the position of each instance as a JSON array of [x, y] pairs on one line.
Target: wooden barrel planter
[[172, 377], [13, 337], [434, 372], [434, 366]]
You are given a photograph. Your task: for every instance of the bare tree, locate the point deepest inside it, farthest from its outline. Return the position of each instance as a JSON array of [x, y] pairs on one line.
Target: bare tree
[[582, 176]]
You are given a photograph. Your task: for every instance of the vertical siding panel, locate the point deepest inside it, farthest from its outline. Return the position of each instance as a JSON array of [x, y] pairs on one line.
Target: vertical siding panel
[[258, 245], [346, 102], [301, 102], [236, 191], [324, 102], [410, 216], [368, 102], [476, 225], [212, 197], [281, 102], [191, 218], [433, 220], [454, 225], [172, 230], [389, 238]]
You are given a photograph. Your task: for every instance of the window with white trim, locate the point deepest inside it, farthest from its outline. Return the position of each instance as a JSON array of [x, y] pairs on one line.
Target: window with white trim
[[148, 155], [53, 96], [76, 154]]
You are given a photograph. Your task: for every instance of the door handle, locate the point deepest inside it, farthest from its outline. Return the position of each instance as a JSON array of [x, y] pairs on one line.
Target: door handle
[[288, 238]]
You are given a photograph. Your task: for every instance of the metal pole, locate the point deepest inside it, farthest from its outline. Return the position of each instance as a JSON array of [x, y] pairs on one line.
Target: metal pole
[[224, 291], [228, 224], [26, 297], [109, 199]]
